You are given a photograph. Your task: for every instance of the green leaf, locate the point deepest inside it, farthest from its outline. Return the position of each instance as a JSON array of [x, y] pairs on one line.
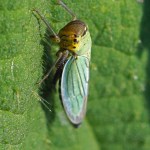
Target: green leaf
[[117, 114]]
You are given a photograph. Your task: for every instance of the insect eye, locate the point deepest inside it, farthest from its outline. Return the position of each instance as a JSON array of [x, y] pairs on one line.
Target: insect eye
[[84, 31]]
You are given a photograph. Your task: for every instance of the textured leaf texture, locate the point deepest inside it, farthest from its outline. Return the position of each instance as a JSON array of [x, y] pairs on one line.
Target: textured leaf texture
[[118, 104]]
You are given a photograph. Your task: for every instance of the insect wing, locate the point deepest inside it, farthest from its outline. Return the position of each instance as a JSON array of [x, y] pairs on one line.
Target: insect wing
[[74, 88]]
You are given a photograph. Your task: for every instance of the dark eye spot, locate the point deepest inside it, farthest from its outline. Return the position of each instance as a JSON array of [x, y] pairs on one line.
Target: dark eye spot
[[74, 47], [75, 40]]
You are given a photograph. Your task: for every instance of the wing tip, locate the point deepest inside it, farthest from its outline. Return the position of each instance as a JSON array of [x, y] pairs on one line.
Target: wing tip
[[76, 125], [76, 122]]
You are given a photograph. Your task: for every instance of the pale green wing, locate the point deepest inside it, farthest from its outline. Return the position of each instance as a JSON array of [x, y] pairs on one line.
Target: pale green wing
[[74, 88]]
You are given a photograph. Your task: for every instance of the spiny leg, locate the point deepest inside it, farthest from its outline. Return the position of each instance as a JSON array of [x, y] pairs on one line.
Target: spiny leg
[[67, 9], [46, 76], [54, 35], [60, 65]]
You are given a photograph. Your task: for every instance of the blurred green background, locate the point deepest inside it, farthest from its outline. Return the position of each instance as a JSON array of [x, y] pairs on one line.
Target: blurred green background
[[119, 99]]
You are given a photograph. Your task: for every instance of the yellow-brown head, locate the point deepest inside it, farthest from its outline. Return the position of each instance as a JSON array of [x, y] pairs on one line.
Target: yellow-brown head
[[71, 35]]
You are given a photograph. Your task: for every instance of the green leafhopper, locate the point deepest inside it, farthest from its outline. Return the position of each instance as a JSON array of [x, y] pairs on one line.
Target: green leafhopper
[[72, 65]]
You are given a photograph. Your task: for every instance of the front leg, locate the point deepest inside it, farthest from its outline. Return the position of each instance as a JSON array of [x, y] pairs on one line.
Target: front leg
[[54, 37]]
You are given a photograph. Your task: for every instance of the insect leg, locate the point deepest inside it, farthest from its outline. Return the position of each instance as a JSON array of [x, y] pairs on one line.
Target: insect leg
[[67, 9], [46, 76], [60, 65], [54, 35]]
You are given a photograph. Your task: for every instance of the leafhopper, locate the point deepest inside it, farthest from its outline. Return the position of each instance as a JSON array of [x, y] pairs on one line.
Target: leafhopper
[[72, 65]]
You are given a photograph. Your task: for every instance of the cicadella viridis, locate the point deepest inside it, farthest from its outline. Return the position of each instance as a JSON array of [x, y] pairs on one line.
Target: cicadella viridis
[[72, 65]]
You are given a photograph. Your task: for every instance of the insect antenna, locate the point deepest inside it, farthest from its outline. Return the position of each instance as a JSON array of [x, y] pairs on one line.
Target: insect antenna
[[67, 9]]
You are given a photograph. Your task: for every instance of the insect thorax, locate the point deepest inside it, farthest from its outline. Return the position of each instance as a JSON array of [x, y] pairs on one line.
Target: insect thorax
[[71, 35]]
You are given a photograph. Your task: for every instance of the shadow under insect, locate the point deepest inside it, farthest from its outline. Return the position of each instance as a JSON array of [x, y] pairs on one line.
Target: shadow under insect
[[47, 88], [145, 38]]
